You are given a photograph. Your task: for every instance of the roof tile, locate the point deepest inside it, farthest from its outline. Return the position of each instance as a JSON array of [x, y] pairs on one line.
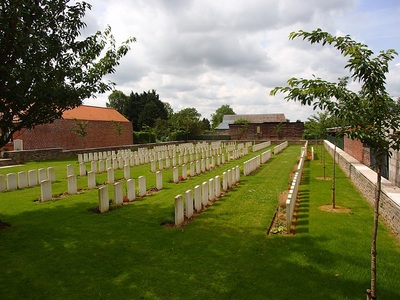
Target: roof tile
[[94, 113]]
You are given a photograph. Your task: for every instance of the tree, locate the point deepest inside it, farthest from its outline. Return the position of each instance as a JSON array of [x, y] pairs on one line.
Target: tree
[[46, 67], [315, 127], [118, 100], [80, 129], [206, 123], [118, 128], [168, 109], [216, 118], [371, 115], [186, 123], [141, 109]]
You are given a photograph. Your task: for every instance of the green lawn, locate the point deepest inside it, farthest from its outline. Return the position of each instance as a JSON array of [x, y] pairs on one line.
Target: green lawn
[[60, 250]]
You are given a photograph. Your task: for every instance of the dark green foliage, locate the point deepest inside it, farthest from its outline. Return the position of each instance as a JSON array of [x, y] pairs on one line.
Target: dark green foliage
[[316, 126], [186, 124], [141, 109], [216, 118], [241, 122], [46, 67], [142, 137], [206, 123]]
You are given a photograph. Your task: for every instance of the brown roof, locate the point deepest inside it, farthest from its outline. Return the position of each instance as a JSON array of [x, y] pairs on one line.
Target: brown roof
[[94, 113], [257, 118]]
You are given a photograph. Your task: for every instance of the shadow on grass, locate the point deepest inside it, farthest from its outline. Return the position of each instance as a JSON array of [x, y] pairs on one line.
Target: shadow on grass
[[61, 251]]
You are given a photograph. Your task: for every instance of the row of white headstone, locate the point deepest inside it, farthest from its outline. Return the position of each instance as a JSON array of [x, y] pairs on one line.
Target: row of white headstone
[[294, 188], [203, 195], [144, 155], [104, 201], [23, 179], [195, 169], [260, 146], [280, 147], [254, 163]]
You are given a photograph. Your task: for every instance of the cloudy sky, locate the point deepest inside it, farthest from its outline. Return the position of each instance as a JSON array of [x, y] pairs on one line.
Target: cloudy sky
[[207, 53]]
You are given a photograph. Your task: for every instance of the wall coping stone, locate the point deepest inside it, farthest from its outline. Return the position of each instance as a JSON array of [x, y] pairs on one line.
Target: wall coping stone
[[391, 191]]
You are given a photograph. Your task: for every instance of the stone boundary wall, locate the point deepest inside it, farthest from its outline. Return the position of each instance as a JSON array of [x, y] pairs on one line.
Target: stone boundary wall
[[22, 156], [365, 180], [18, 157]]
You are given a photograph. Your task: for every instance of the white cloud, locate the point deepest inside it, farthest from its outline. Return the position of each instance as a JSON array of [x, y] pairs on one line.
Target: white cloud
[[203, 53]]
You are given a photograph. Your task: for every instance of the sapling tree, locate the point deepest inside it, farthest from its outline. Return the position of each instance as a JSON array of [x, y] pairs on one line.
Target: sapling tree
[[370, 114], [80, 129]]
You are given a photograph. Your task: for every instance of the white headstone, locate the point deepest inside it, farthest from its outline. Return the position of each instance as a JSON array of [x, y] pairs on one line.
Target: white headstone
[[11, 181], [161, 164], [174, 160], [130, 187], [204, 193], [72, 187], [127, 172], [203, 165], [91, 180], [32, 178], [159, 183], [100, 169], [237, 170], [192, 170], [198, 169], [110, 175], [82, 169], [45, 191], [224, 181], [18, 145], [104, 204], [142, 186], [197, 198], [70, 170], [211, 189], [108, 163], [22, 180], [229, 179], [217, 182], [153, 166], [175, 174], [93, 166], [189, 204], [184, 172], [118, 193], [42, 175], [179, 210], [120, 163], [51, 174]]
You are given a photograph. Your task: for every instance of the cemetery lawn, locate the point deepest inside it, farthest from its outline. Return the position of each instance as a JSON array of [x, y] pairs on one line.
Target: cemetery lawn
[[61, 250]]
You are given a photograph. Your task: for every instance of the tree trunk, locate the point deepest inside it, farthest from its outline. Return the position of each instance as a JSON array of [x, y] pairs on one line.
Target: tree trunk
[[333, 179], [371, 294]]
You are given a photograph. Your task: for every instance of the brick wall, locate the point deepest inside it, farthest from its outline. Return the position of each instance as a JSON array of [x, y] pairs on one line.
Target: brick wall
[[60, 135], [357, 149], [365, 180], [267, 131]]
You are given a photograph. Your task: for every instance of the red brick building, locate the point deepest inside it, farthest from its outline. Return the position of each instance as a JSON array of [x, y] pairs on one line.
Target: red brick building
[[261, 127], [104, 127]]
